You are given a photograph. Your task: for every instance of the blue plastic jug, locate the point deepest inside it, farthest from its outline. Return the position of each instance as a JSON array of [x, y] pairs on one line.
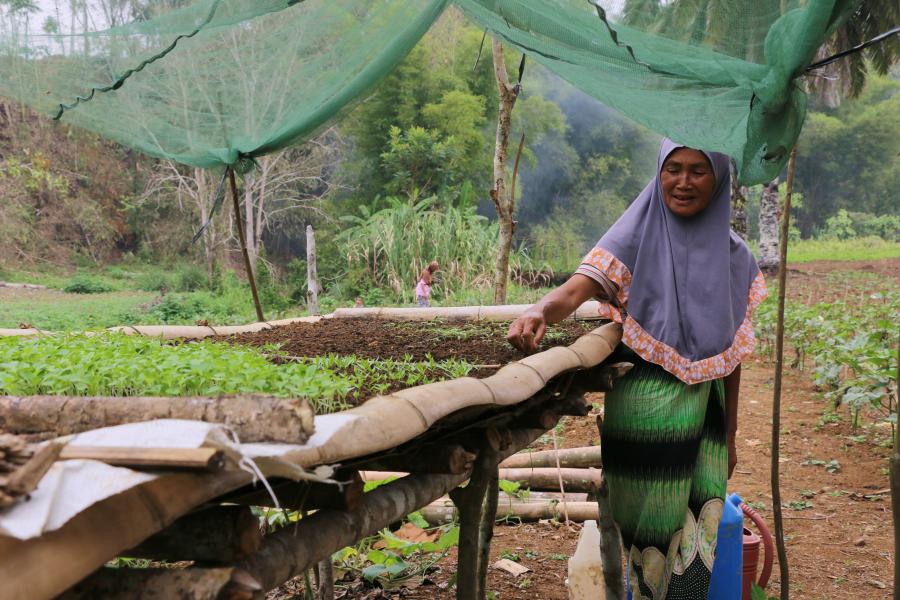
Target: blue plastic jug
[[728, 567]]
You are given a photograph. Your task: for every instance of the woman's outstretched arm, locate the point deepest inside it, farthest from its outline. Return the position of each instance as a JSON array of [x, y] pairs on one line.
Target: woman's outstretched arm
[[732, 389], [525, 333]]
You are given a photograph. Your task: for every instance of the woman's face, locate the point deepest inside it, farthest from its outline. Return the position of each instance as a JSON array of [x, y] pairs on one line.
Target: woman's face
[[687, 182]]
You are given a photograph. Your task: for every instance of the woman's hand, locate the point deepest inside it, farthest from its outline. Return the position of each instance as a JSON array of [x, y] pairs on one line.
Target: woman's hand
[[732, 391], [526, 332], [732, 455]]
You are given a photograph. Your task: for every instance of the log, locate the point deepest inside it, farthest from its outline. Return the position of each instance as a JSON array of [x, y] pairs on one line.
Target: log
[[253, 417], [219, 534], [574, 480], [22, 286], [441, 513], [303, 495], [22, 466], [160, 584], [573, 458], [432, 458], [163, 458], [544, 479]]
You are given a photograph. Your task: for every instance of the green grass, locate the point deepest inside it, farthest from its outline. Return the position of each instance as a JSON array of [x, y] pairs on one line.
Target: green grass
[[866, 248], [134, 301], [119, 365], [55, 311], [484, 296]]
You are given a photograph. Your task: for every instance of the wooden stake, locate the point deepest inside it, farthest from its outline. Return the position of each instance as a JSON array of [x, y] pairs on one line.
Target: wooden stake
[[312, 281], [779, 368], [163, 458], [240, 227]]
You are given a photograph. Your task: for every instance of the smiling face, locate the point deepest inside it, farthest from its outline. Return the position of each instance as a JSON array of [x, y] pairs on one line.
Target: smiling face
[[688, 182]]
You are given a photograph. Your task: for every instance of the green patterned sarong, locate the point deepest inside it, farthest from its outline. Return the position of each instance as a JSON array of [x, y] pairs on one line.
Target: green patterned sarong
[[666, 463]]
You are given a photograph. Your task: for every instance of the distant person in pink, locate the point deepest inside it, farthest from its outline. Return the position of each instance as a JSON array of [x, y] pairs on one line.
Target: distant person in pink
[[423, 287]]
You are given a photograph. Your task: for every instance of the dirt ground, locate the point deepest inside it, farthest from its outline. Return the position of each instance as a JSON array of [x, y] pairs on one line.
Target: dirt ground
[[478, 343], [837, 515]]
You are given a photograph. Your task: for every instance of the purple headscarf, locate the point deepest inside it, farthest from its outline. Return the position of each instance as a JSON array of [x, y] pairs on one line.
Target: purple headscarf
[[693, 281]]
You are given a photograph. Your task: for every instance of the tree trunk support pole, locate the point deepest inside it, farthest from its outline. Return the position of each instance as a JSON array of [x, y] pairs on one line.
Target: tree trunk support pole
[[779, 368], [477, 504], [240, 227]]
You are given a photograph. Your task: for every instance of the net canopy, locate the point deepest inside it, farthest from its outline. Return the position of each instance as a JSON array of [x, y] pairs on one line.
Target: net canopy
[[219, 82]]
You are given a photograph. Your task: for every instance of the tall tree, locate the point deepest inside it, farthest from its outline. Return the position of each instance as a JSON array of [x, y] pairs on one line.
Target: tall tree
[[504, 197]]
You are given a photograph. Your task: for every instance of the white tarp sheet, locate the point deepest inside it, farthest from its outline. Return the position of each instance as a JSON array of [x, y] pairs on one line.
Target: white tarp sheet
[[71, 486]]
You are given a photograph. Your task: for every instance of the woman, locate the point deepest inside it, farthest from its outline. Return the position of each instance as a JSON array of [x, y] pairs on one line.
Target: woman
[[684, 287], [423, 286]]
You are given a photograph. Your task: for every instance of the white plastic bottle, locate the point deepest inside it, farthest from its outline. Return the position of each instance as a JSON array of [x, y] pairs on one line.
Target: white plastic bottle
[[585, 581]]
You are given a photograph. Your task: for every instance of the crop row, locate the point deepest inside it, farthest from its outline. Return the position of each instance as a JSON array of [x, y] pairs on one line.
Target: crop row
[[853, 349]]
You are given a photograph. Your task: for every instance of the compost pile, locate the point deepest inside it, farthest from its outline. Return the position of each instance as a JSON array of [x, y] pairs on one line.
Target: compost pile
[[478, 343]]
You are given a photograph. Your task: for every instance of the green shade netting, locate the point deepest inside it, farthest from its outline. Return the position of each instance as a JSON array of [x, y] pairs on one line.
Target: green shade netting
[[218, 82]]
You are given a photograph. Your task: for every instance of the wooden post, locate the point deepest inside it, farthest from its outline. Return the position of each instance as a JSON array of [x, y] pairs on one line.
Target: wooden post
[[240, 227], [326, 580], [312, 280], [779, 368], [610, 540], [477, 504]]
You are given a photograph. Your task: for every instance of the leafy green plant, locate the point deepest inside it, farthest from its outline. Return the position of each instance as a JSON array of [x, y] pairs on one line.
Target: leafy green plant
[[852, 347], [387, 559], [121, 365], [86, 284]]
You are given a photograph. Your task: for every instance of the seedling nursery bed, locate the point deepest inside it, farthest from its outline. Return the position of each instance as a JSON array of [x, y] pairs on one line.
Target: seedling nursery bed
[[481, 346]]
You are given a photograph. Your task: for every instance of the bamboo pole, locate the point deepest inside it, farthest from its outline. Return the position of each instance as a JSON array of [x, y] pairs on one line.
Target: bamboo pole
[[237, 220], [895, 481], [542, 479], [572, 458], [580, 511], [312, 280], [779, 369]]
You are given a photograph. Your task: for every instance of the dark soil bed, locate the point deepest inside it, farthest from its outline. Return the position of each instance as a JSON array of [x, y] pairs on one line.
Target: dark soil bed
[[478, 343]]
